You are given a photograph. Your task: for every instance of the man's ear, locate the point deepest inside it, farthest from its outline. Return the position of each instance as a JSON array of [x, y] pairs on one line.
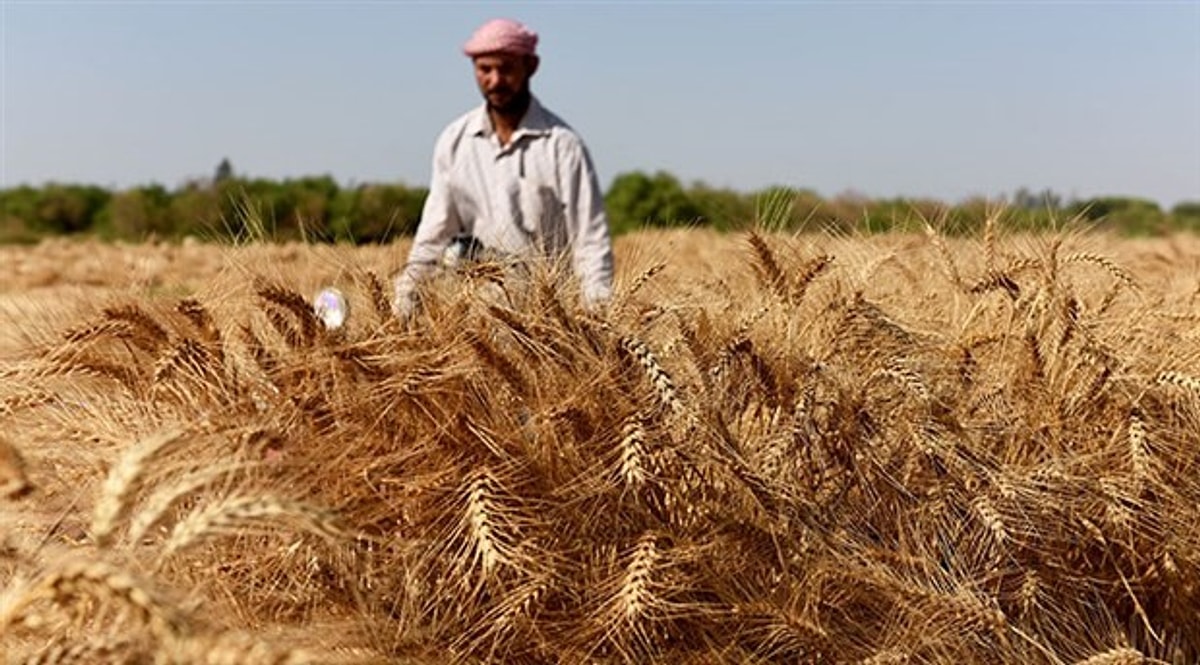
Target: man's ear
[[531, 65]]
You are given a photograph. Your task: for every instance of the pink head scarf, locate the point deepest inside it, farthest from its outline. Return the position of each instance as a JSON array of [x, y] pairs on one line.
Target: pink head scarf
[[501, 36]]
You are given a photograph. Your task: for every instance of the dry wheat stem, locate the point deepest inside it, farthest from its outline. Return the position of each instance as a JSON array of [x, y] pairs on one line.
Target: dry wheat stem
[[124, 479], [242, 514], [73, 579], [1116, 656], [636, 598], [168, 493], [664, 386], [97, 650], [633, 453], [14, 481]]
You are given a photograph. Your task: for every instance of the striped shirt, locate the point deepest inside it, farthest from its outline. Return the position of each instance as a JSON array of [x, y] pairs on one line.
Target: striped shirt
[[538, 195]]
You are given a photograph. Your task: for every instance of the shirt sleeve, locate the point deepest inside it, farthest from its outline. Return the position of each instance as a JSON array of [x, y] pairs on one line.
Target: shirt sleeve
[[591, 244], [439, 223]]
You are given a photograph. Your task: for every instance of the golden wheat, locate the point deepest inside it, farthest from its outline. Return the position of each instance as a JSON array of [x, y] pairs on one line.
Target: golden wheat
[[758, 460], [245, 514], [14, 482], [124, 479]]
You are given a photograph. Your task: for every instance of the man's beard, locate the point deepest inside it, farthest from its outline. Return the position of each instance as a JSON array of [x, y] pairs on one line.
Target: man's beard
[[516, 104]]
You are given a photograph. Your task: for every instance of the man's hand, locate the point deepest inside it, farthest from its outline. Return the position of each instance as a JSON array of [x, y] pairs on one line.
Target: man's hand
[[403, 300]]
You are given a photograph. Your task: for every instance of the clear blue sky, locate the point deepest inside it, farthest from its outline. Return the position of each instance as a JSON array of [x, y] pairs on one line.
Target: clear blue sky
[[940, 99]]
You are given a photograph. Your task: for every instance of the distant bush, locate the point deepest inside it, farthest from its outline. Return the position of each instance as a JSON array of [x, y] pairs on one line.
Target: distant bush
[[636, 200], [315, 208], [377, 213], [1126, 214]]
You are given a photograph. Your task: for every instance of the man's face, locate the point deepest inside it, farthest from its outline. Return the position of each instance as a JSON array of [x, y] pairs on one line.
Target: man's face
[[503, 77]]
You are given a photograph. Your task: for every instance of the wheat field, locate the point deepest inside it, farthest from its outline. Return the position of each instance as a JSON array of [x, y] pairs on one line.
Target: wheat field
[[769, 448]]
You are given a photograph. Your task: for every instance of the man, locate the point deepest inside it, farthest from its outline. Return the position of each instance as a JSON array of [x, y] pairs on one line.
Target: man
[[511, 177]]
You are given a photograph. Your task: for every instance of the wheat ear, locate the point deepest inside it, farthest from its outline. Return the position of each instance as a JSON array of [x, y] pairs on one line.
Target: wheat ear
[[73, 579], [769, 271], [644, 277], [947, 258], [14, 482], [239, 514], [1179, 380], [295, 303], [991, 519], [236, 649], [1139, 452], [123, 480], [200, 318], [1112, 268], [635, 598], [664, 386], [378, 293], [480, 521], [633, 453], [495, 359], [807, 274], [1117, 656], [891, 656], [168, 493], [145, 332], [101, 650]]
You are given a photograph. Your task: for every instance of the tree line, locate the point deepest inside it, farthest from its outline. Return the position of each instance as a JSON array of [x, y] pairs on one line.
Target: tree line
[[317, 208]]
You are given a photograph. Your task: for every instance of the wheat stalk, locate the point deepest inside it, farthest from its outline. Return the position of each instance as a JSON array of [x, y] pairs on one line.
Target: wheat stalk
[[167, 494], [1179, 380], [664, 386], [238, 649], [645, 276], [144, 331], [14, 483], [241, 514], [1139, 452], [482, 528], [201, 319], [946, 256], [72, 579], [98, 650], [1115, 656], [891, 656], [633, 453], [768, 270], [124, 479], [807, 273], [991, 519], [298, 305], [1112, 268], [636, 598]]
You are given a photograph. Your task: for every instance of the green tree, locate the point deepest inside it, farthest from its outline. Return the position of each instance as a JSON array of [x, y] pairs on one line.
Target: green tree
[[18, 208], [138, 212], [723, 209], [223, 172], [1186, 214], [635, 200], [199, 209], [68, 208], [1122, 213], [377, 212]]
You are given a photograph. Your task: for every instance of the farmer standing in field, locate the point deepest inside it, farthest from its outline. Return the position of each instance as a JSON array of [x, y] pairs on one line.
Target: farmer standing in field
[[510, 178]]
